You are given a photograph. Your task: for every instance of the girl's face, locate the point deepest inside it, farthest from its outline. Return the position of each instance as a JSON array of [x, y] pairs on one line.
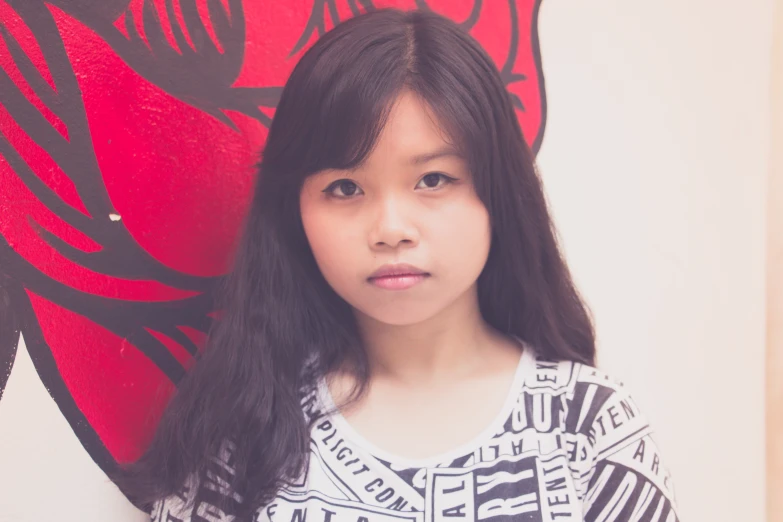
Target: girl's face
[[404, 236]]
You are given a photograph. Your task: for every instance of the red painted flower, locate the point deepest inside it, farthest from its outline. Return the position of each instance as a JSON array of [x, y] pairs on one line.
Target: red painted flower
[[128, 135]]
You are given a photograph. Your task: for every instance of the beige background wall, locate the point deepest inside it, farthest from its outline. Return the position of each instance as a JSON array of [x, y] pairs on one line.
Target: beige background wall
[[775, 284], [656, 160]]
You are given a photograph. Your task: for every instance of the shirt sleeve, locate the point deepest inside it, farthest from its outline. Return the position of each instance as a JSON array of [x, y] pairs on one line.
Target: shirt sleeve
[[628, 480]]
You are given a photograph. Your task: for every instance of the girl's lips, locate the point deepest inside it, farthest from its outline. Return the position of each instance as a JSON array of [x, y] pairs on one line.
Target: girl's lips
[[398, 282], [399, 276], [399, 269]]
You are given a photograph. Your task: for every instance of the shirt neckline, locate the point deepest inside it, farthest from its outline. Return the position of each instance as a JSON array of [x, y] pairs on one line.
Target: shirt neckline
[[524, 366]]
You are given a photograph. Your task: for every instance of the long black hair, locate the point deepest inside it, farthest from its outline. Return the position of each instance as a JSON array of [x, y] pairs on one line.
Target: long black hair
[[283, 328]]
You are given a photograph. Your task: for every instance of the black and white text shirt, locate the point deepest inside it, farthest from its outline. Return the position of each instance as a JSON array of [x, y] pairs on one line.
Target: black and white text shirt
[[569, 445]]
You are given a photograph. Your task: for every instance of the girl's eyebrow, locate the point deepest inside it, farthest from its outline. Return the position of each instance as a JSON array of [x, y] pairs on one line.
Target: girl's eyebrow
[[438, 153]]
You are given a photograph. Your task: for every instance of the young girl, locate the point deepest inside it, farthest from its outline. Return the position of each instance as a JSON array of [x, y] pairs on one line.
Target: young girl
[[401, 338]]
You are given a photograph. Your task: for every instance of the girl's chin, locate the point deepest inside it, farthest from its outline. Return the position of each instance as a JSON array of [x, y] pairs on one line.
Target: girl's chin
[[397, 316]]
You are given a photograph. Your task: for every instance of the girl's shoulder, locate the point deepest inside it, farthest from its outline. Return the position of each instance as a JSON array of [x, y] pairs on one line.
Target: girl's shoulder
[[579, 399], [608, 440], [565, 377]]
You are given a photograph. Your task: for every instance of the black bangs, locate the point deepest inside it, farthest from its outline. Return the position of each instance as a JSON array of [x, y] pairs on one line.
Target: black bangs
[[348, 130]]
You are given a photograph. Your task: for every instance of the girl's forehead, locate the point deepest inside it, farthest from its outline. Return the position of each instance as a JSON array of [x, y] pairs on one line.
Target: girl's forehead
[[412, 117], [411, 133]]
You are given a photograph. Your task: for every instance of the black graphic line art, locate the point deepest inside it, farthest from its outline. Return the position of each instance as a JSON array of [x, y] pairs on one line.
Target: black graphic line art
[[9, 331], [202, 77], [76, 158], [46, 367], [119, 255], [536, 45], [316, 22], [469, 22], [506, 69], [129, 320]]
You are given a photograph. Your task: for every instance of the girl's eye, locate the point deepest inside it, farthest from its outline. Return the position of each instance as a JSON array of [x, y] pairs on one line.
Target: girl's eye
[[434, 179], [342, 188]]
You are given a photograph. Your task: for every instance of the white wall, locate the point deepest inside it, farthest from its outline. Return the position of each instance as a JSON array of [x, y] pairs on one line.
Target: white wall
[[45, 473], [655, 159], [775, 284]]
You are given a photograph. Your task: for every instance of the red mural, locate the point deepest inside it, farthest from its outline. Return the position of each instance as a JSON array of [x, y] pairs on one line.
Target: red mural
[[129, 135]]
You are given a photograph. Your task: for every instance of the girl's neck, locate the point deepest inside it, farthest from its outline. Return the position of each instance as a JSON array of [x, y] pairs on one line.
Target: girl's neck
[[454, 344]]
